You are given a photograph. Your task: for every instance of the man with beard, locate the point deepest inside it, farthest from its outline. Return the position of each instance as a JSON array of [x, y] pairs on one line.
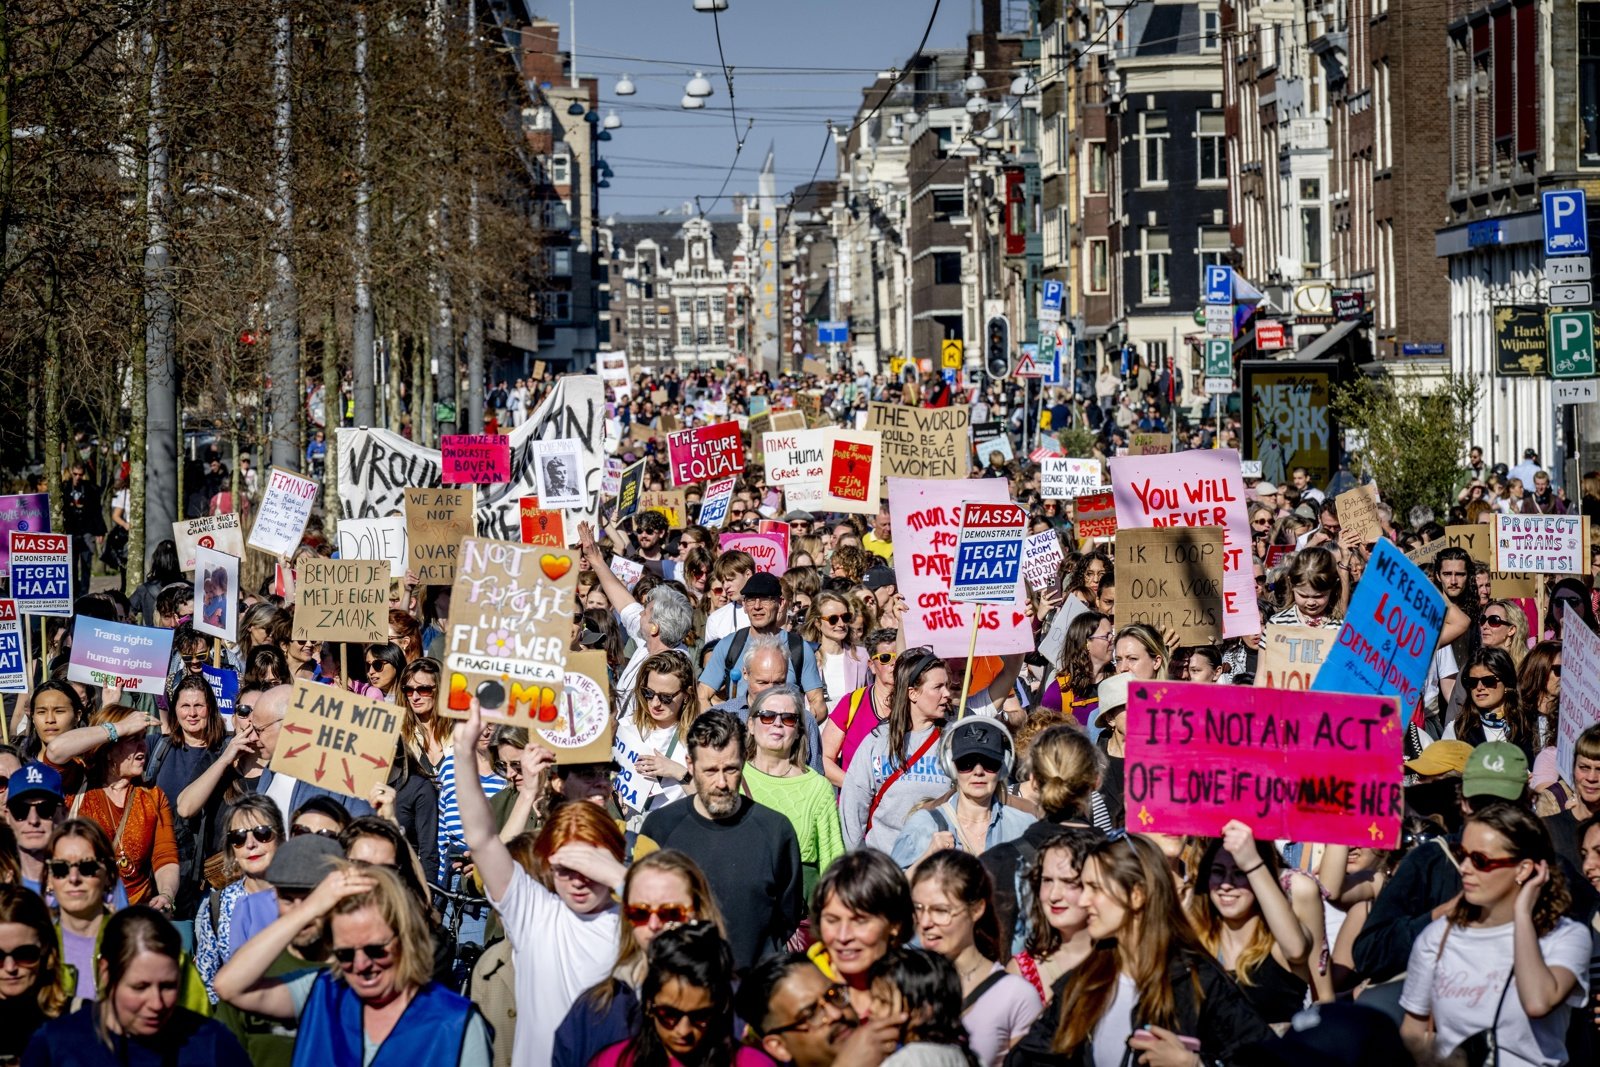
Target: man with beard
[[803, 1019], [749, 853]]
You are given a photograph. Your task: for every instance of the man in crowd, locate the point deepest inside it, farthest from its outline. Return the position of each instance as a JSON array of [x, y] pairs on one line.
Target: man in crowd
[[83, 522], [34, 807], [763, 603], [880, 540], [803, 1019]]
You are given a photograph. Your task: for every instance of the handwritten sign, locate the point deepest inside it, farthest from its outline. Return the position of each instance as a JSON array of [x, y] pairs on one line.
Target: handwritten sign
[[714, 505], [132, 658], [795, 456], [1291, 655], [511, 612], [922, 442], [13, 661], [1540, 544], [476, 458], [1326, 770], [705, 452], [1389, 634], [855, 470], [788, 419], [673, 503], [626, 570], [1580, 686], [629, 487], [925, 523], [41, 573], [221, 532], [542, 526], [767, 550], [1095, 515], [1041, 560], [336, 739], [579, 727], [988, 554], [376, 539], [1201, 487], [436, 521], [1149, 444], [1358, 512], [342, 600], [25, 512], [285, 507], [1171, 579], [1067, 479]]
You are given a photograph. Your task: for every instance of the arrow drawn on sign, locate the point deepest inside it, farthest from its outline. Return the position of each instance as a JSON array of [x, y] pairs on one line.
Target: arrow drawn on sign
[[349, 779], [322, 762], [293, 752], [297, 730], [376, 761]]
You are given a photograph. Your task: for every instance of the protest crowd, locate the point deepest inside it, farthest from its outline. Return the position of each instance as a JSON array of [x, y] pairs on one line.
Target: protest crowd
[[740, 719]]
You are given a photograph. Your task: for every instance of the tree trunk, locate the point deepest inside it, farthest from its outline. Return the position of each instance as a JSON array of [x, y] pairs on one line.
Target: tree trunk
[[362, 326], [159, 431], [284, 312], [332, 401]]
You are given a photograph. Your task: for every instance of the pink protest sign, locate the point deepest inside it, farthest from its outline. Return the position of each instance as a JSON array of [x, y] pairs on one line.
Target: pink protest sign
[[766, 549], [1325, 770], [476, 458], [705, 453], [1201, 487], [925, 522], [776, 528]]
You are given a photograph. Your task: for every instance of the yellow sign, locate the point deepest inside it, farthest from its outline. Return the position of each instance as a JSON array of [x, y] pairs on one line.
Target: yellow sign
[[896, 365], [950, 354]]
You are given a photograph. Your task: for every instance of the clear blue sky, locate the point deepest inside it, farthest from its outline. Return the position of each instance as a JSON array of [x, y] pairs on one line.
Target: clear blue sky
[[830, 50]]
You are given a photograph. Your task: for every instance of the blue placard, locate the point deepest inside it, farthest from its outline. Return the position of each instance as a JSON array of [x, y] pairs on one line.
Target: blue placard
[[950, 376], [1389, 635], [1566, 222], [224, 685], [1050, 295], [833, 333], [1422, 348], [42, 588], [1219, 284]]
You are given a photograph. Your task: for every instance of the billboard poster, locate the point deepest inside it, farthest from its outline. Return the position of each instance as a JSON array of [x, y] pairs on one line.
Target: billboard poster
[[1288, 419]]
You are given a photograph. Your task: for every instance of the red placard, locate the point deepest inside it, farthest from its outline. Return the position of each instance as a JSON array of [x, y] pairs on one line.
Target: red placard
[[850, 469], [1269, 336], [1096, 515], [776, 528], [705, 453], [541, 526], [1276, 554]]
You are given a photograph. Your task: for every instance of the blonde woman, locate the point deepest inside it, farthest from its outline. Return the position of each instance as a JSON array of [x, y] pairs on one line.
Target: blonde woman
[[653, 738], [841, 660]]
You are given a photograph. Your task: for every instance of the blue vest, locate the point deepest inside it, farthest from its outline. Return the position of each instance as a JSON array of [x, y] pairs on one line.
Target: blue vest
[[429, 1032]]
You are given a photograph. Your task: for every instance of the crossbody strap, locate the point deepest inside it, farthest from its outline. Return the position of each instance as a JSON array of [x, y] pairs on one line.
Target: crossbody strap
[[877, 798]]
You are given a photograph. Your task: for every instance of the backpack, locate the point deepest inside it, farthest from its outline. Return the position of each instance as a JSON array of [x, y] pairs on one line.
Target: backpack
[[740, 637]]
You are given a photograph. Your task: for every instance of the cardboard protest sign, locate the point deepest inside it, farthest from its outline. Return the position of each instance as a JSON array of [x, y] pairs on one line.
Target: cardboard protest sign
[[705, 453], [542, 526], [1358, 511], [714, 505], [787, 420], [558, 467], [13, 656], [342, 600], [1095, 515], [628, 491], [795, 456], [922, 442], [1149, 444], [611, 481], [26, 512], [224, 686], [673, 503], [854, 471], [285, 507], [578, 728], [511, 611], [1580, 687], [1325, 770], [1389, 635], [1171, 578], [336, 739], [757, 427], [132, 658], [221, 532], [1196, 488], [436, 521], [1041, 561], [925, 523], [216, 594], [1066, 479], [475, 458], [1291, 655], [377, 539], [988, 565], [1540, 544], [41, 573], [767, 550]]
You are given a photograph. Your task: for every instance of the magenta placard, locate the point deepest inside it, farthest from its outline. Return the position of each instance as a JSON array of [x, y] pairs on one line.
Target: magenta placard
[[766, 549], [476, 458], [705, 453], [1325, 770]]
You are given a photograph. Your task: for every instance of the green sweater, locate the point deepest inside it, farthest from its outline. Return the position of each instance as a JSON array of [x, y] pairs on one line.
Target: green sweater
[[808, 802]]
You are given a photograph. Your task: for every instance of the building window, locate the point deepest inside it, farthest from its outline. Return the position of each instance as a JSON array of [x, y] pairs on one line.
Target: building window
[[1099, 279], [702, 307], [1589, 84], [719, 335], [702, 336], [1153, 148], [633, 317], [685, 336], [1311, 238], [1214, 246], [948, 205], [1210, 30], [947, 268], [1097, 167], [561, 262], [1155, 256], [556, 305], [683, 306], [560, 170], [1211, 132], [697, 250], [719, 306]]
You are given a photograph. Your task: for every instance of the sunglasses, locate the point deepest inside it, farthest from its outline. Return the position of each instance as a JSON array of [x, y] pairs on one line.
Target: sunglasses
[[375, 953], [653, 697], [375, 665], [835, 620], [836, 997], [262, 834], [884, 657], [1484, 864], [1555, 669], [46, 806], [669, 914], [23, 955], [967, 763], [85, 868], [424, 690], [767, 718], [1492, 622], [198, 658], [301, 830], [670, 1018], [1484, 681]]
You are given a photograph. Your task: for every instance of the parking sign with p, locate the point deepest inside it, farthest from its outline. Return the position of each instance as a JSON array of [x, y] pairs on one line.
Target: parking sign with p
[[1566, 222]]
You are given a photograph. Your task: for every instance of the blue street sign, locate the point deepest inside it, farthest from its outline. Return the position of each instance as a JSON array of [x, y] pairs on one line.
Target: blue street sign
[[1219, 284], [949, 376], [833, 333], [1566, 222], [1051, 295], [1052, 368]]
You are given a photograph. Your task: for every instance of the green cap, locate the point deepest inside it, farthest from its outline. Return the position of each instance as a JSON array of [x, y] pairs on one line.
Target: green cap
[[1495, 769]]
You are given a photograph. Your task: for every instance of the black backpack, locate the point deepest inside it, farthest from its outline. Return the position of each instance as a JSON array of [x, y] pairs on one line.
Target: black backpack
[[736, 641]]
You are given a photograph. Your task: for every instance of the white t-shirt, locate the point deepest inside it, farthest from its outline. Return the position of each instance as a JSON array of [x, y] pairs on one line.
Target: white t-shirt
[[724, 621], [1463, 984], [1111, 1033], [662, 741], [556, 954], [281, 790]]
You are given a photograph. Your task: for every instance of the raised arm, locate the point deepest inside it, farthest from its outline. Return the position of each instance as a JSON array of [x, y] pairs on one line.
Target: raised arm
[[616, 592], [489, 855], [1286, 928], [86, 739]]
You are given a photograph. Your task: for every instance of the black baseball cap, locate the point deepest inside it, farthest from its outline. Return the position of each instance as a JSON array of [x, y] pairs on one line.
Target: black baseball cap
[[762, 586]]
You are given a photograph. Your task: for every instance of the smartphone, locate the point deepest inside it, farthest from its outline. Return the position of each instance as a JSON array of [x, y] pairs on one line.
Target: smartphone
[[1190, 1043]]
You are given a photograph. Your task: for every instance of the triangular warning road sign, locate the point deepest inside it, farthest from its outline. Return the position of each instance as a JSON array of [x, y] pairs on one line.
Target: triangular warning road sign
[[1027, 368]]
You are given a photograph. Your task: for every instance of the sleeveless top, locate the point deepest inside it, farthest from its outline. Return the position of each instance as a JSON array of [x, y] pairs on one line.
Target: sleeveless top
[[1030, 971]]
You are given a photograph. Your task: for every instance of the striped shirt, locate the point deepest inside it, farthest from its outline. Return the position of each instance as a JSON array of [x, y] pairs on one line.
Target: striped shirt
[[450, 833]]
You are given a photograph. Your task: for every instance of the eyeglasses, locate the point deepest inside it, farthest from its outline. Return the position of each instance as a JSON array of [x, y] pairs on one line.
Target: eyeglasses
[[835, 620], [375, 953], [885, 658], [1484, 864], [46, 806], [966, 764], [1492, 622], [767, 718], [1107, 637], [669, 914], [301, 830], [1484, 681], [423, 690], [670, 1018], [23, 955], [1555, 669], [263, 835], [85, 868], [938, 914], [653, 697], [836, 997]]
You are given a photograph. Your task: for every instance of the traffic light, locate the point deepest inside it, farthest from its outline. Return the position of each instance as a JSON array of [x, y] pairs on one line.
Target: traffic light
[[997, 347]]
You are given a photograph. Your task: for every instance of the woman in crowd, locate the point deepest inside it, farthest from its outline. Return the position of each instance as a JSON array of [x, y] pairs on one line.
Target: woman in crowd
[[1085, 656], [1500, 970], [841, 662], [426, 732], [384, 665], [1316, 590], [31, 988], [344, 665], [55, 713], [265, 667], [480, 768], [300, 653], [1246, 922], [1058, 939], [165, 569], [952, 899], [409, 798], [663, 890], [923, 988], [381, 989], [137, 818], [255, 630], [1084, 584], [1153, 990], [861, 710], [860, 909], [1140, 652], [1492, 711], [665, 705], [865, 617], [193, 737], [1203, 664], [405, 633], [255, 830], [81, 875], [686, 1002], [1539, 691], [1568, 593], [973, 814], [897, 766], [777, 777], [139, 1019], [1504, 625]]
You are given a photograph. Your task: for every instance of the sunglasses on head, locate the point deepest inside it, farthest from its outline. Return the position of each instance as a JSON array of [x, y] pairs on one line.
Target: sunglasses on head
[[46, 806], [23, 955], [262, 834], [670, 1018], [375, 953], [669, 914], [1484, 681], [767, 718], [967, 763]]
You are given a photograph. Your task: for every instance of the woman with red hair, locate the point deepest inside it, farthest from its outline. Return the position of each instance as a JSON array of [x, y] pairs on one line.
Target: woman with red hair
[[561, 921]]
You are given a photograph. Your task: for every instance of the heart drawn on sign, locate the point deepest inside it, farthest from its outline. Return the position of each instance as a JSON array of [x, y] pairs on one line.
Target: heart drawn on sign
[[554, 566]]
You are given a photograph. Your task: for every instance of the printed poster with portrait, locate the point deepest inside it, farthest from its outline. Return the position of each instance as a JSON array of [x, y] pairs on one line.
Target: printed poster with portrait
[[559, 470], [1288, 419]]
